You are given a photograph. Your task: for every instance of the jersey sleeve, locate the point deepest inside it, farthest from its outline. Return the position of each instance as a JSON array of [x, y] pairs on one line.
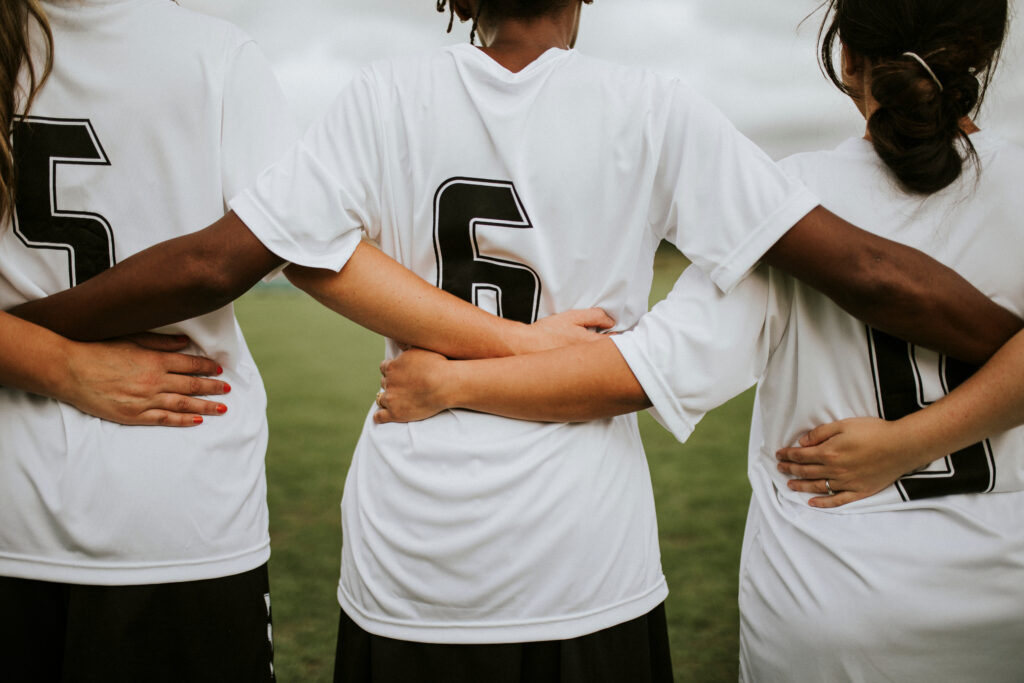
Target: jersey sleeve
[[719, 198], [699, 347], [313, 206]]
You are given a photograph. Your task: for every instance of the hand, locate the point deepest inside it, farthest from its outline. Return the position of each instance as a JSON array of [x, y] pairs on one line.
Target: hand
[[858, 457], [412, 387], [565, 329], [139, 381]]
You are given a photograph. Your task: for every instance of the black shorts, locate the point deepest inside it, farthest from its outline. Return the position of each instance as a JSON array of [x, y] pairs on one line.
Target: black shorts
[[215, 631], [634, 652]]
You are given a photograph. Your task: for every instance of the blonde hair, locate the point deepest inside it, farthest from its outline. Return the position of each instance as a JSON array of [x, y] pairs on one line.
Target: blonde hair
[[15, 51]]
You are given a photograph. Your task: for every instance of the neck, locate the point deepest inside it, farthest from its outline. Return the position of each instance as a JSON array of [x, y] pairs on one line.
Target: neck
[[515, 43]]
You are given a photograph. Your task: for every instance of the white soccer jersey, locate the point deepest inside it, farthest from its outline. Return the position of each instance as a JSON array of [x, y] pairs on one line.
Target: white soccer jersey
[[528, 193], [153, 116], [922, 581]]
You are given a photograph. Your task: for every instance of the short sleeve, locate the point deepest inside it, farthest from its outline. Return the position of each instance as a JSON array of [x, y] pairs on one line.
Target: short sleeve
[[719, 198], [699, 347], [314, 205]]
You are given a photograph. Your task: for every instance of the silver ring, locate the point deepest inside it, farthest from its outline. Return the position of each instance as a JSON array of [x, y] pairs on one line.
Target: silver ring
[[380, 394], [828, 488]]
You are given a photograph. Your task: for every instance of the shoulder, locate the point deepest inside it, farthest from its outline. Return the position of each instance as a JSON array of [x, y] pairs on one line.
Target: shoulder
[[191, 31], [853, 157]]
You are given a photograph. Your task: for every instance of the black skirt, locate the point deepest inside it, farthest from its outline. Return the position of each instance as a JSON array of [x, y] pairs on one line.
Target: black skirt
[[636, 651]]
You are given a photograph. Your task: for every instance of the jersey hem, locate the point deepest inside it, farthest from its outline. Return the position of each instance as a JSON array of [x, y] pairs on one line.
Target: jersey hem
[[743, 259], [95, 574], [664, 406], [481, 633]]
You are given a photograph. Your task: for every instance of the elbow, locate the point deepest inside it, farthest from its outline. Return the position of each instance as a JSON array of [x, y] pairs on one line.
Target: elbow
[[212, 281]]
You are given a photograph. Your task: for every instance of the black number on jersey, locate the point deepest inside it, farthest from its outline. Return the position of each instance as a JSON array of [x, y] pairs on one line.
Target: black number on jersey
[[41, 146], [899, 390], [461, 206]]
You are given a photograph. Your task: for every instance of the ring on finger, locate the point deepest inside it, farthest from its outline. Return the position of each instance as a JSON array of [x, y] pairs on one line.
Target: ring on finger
[[828, 487], [380, 395]]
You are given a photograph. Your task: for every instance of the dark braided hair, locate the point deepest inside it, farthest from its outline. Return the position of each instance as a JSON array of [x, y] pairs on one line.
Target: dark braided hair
[[505, 9], [916, 129]]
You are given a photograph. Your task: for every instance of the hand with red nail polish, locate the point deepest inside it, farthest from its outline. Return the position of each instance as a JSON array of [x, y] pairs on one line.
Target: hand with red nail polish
[[142, 380]]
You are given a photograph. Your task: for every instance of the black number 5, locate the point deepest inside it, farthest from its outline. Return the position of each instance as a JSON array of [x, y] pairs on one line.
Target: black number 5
[[899, 391], [460, 206], [40, 146]]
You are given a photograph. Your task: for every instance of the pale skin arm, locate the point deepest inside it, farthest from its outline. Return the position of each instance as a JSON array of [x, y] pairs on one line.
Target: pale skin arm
[[862, 456], [123, 381], [570, 384], [203, 271]]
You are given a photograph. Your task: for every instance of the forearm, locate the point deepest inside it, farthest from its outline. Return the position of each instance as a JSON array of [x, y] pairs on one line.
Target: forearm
[[575, 383], [169, 282], [893, 287], [32, 358], [989, 402], [378, 293]]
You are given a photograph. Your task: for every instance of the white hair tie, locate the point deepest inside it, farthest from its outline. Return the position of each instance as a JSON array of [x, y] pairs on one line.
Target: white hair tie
[[924, 65]]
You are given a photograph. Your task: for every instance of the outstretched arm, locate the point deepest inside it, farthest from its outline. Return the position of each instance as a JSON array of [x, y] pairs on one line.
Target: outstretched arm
[[117, 381], [862, 456], [202, 271], [893, 287]]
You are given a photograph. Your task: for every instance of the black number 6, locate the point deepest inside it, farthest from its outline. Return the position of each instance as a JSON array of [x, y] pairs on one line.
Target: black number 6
[[460, 206]]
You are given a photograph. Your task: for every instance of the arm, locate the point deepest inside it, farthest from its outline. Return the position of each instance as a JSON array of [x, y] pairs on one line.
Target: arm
[[574, 383], [171, 281], [118, 381], [690, 353], [377, 292], [202, 271], [862, 456], [893, 287]]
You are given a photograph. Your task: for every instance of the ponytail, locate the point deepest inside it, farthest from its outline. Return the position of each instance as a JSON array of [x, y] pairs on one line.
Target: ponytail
[[931, 63], [16, 51]]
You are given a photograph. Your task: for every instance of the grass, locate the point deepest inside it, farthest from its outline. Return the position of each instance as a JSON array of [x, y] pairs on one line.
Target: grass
[[321, 377]]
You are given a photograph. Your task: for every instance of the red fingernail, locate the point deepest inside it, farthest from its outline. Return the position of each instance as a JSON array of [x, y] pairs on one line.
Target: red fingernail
[[220, 370], [227, 388], [221, 408], [197, 419]]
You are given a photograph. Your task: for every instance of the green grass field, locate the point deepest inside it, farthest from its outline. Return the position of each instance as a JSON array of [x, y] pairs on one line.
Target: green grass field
[[321, 376]]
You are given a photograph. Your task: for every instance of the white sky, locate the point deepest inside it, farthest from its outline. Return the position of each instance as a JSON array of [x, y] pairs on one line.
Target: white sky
[[747, 56]]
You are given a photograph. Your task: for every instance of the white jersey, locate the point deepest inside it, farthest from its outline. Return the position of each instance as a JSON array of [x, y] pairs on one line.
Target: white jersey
[[528, 193], [922, 581], [152, 117]]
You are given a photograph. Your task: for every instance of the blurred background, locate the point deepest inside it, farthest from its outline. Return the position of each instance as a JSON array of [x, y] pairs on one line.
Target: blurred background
[[750, 57]]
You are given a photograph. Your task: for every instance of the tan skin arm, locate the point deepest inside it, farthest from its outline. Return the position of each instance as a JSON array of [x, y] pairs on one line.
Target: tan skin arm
[[200, 272], [862, 456], [571, 384], [128, 382]]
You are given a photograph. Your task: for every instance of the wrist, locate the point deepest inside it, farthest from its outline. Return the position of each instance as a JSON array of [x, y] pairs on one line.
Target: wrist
[[453, 385], [59, 376]]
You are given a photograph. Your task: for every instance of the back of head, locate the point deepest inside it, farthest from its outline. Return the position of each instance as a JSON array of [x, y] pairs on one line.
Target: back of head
[[931, 62], [15, 51], [498, 10]]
